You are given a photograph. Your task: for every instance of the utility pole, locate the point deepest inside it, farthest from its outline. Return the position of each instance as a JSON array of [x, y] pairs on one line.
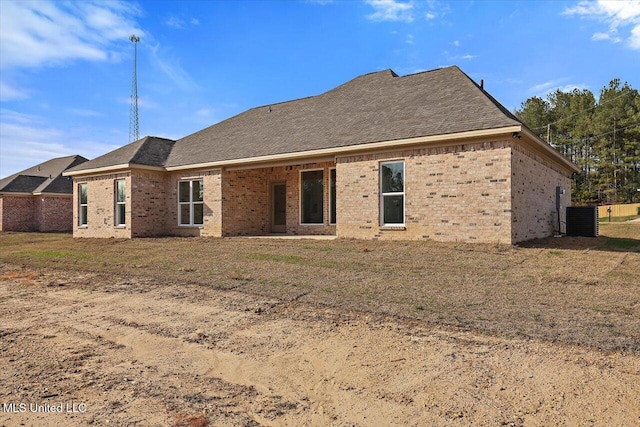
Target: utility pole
[[615, 161], [549, 134], [134, 127]]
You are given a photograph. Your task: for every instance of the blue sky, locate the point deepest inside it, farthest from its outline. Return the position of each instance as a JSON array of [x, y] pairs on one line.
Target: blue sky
[[66, 67]]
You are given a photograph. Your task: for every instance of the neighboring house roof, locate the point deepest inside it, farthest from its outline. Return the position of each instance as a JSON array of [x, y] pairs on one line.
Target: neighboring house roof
[[43, 178], [372, 108]]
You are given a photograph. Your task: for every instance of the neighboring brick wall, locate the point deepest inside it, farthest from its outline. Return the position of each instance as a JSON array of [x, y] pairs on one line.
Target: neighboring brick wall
[[55, 213], [454, 193], [18, 213], [533, 195], [211, 181], [101, 207], [247, 204]]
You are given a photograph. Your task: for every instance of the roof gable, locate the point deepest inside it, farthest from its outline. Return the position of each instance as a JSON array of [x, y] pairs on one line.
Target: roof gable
[[43, 178], [148, 151]]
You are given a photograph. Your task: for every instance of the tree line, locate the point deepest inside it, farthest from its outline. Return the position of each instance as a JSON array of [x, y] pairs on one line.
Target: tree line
[[601, 136]]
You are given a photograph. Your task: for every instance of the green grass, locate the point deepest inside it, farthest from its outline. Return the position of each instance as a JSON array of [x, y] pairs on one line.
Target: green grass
[[621, 243], [618, 218]]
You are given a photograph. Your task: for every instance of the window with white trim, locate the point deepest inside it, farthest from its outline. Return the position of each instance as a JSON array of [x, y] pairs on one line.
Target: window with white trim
[[190, 202], [312, 197], [83, 204], [332, 195], [392, 193], [120, 202]]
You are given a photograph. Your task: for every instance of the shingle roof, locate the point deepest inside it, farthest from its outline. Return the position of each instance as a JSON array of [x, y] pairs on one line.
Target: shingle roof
[[148, 151], [374, 107], [43, 178]]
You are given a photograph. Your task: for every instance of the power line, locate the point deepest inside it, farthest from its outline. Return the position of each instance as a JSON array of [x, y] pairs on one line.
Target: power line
[[606, 133], [582, 111]]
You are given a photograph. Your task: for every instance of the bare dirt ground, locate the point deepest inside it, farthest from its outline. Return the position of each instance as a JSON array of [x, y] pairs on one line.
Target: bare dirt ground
[[127, 350]]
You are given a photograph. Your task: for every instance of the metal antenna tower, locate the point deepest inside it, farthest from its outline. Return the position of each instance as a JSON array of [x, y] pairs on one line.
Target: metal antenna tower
[[134, 127]]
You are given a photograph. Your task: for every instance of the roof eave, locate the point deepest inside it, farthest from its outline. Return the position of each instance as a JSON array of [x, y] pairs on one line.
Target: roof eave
[[549, 150], [111, 168], [15, 193]]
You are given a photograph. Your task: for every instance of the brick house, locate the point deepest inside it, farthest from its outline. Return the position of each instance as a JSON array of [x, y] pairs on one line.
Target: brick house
[[39, 198], [425, 156]]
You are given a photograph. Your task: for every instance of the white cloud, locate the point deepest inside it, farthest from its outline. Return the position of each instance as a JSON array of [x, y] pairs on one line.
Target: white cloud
[[203, 112], [10, 92], [455, 43], [605, 36], [391, 10], [85, 112], [174, 22], [543, 89], [618, 15], [546, 85], [468, 57], [570, 87], [634, 40], [430, 16], [409, 39], [180, 24], [27, 141], [172, 68], [38, 33]]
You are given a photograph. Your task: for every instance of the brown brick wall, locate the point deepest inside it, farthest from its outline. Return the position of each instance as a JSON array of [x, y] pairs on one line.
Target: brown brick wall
[[146, 208], [101, 207], [211, 181], [454, 193], [55, 213], [18, 213], [533, 195], [483, 191], [36, 213], [247, 204]]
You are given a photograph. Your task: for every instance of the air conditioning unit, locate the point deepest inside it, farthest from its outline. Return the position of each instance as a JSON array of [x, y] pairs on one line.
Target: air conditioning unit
[[582, 221]]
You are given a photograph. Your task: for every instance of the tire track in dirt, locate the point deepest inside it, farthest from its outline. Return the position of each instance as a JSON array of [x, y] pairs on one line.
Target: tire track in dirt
[[144, 354]]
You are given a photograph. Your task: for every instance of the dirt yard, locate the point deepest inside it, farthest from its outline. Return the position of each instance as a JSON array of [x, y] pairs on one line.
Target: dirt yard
[[110, 347]]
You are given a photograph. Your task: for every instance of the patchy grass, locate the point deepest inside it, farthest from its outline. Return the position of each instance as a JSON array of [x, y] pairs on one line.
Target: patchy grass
[[54, 254], [622, 243], [618, 218], [571, 289]]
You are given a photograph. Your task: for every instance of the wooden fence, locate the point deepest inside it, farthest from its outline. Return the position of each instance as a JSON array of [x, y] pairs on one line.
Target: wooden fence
[[618, 210]]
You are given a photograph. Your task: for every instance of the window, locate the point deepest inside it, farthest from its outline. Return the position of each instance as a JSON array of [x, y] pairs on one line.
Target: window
[[312, 197], [332, 195], [190, 202], [120, 202], [82, 217], [392, 193]]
